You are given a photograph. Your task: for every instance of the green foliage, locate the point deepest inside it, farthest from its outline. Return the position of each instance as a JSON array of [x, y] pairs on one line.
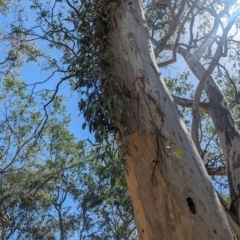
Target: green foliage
[[28, 144], [227, 200], [158, 16], [3, 6], [80, 32], [52, 187]]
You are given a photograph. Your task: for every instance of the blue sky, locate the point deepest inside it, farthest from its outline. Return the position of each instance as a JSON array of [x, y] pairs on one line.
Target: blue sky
[[32, 73]]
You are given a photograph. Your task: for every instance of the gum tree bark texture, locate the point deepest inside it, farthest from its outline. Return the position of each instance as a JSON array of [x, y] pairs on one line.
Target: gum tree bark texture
[[172, 195], [226, 129]]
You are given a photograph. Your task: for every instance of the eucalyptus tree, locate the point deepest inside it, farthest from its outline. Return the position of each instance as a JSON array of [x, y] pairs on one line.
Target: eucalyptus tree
[[111, 55]]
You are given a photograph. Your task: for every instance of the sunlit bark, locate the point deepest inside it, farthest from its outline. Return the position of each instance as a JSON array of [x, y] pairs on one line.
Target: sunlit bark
[[172, 195]]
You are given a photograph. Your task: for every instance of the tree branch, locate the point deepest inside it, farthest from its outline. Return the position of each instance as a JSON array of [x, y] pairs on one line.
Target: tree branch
[[172, 28], [174, 53], [216, 171], [184, 102], [201, 85], [210, 39]]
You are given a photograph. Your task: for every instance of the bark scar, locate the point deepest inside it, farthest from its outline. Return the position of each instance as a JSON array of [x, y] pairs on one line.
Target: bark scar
[[170, 208], [191, 205], [140, 115]]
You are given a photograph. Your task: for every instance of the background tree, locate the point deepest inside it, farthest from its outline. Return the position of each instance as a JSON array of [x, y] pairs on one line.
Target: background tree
[[51, 185]]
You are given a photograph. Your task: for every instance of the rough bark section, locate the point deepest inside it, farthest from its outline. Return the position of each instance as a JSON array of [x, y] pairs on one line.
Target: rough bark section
[[173, 198], [227, 131]]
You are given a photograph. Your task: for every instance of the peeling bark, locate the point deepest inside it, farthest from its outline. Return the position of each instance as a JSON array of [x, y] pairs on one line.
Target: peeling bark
[[172, 197], [223, 121]]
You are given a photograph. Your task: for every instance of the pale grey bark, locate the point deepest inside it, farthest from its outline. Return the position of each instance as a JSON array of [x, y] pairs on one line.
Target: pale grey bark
[[221, 50], [173, 197], [223, 121]]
